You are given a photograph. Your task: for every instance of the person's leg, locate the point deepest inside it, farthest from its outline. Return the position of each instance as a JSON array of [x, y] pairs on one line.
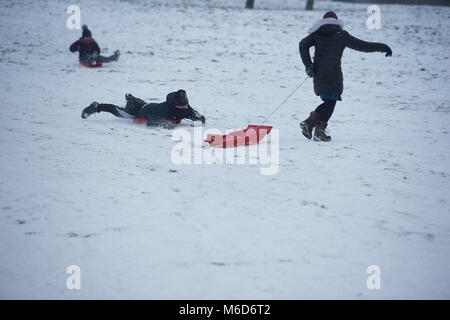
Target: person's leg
[[309, 123], [113, 57], [325, 110], [322, 113], [105, 107], [105, 59], [137, 102], [134, 105], [115, 110]]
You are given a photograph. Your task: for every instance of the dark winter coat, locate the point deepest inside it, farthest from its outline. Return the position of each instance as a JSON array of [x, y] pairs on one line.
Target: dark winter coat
[[85, 46], [329, 42], [168, 111]]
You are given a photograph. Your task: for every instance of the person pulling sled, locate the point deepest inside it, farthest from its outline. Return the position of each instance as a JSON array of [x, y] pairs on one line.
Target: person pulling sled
[[166, 114], [329, 39], [89, 51]]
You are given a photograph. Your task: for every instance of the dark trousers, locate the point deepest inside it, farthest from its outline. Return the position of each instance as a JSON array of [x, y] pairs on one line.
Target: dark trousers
[[134, 105], [115, 110], [325, 110], [131, 110], [106, 59], [89, 58]]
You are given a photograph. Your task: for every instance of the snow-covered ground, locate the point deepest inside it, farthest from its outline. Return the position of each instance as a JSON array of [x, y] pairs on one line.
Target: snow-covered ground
[[103, 193]]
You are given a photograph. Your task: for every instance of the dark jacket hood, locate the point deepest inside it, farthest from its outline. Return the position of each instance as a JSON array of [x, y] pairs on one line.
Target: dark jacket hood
[[328, 29]]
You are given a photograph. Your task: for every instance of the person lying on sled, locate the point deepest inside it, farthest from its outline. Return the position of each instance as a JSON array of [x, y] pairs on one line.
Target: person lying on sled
[[89, 51], [166, 114]]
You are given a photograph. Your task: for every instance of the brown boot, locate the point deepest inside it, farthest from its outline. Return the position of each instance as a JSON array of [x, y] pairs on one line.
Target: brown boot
[[319, 133], [308, 124]]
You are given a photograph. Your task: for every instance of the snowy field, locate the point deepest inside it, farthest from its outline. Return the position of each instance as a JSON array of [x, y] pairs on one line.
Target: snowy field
[[104, 194]]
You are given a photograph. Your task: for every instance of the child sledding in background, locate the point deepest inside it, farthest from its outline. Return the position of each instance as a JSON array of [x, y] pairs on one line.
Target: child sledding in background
[[329, 39], [89, 51]]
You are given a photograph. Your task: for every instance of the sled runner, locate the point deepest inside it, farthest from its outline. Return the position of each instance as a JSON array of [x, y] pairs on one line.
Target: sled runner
[[88, 65], [249, 136]]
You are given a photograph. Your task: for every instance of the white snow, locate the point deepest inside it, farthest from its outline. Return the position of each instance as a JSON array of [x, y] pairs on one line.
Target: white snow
[[103, 193]]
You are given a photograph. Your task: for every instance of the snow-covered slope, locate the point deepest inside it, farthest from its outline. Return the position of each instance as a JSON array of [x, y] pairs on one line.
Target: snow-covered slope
[[103, 193]]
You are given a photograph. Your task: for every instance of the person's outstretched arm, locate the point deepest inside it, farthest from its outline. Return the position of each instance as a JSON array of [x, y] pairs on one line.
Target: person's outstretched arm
[[195, 115], [74, 46], [303, 47], [364, 46]]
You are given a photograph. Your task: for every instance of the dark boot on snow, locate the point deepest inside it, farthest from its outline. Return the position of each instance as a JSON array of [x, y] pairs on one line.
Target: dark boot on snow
[[319, 132], [308, 124], [133, 104], [130, 100], [133, 100], [89, 110], [116, 55]]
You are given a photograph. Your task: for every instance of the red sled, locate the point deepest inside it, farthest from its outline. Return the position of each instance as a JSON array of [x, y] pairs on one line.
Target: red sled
[[142, 121], [139, 120], [88, 65], [250, 136]]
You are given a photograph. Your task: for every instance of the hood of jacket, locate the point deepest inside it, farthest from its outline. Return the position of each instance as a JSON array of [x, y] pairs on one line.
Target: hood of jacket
[[326, 26]]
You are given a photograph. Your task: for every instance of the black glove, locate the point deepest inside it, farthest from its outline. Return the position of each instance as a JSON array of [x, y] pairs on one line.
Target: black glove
[[198, 117], [387, 50], [310, 72]]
